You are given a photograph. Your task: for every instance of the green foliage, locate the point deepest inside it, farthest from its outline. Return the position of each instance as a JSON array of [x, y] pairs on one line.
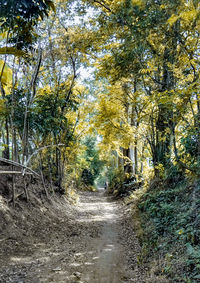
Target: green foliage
[[92, 156], [189, 141], [115, 177], [49, 113], [46, 114], [87, 177], [19, 17], [193, 261], [92, 161], [29, 10], [20, 106], [172, 215]]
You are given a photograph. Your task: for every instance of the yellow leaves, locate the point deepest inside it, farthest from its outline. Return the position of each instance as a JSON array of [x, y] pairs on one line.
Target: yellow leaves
[[180, 232], [112, 45], [42, 69], [74, 40], [172, 19], [72, 116], [161, 169], [163, 6], [189, 16], [3, 108], [3, 35], [137, 2], [11, 51], [119, 2], [80, 90], [156, 42], [45, 90], [150, 68], [167, 131], [144, 71], [198, 25], [6, 76], [112, 118]]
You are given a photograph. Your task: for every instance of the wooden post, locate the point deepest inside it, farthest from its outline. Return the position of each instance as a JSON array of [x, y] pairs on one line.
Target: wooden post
[[50, 175], [25, 189], [42, 177], [43, 182], [13, 190]]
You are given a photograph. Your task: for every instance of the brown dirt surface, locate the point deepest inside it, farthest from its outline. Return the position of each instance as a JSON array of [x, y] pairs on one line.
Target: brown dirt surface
[[54, 241]]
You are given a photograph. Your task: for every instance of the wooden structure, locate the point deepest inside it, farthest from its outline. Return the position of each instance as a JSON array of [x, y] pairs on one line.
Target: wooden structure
[[16, 170]]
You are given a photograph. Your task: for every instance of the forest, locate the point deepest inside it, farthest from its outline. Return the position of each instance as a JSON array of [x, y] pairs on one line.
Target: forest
[[106, 94]]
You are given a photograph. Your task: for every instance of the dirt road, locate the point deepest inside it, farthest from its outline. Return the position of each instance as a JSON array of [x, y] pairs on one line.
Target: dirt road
[[96, 244], [107, 260]]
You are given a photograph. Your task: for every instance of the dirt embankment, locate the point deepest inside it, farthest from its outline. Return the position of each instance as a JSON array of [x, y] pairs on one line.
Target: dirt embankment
[[54, 241]]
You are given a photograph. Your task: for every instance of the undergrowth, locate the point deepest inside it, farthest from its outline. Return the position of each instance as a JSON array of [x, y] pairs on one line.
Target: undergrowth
[[170, 220]]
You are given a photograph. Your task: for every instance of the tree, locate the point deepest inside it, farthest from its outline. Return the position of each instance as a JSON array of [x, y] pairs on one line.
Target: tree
[[17, 21], [154, 45]]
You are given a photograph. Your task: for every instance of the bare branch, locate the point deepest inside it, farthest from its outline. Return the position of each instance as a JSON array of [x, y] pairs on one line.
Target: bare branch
[[35, 75], [39, 149], [103, 5]]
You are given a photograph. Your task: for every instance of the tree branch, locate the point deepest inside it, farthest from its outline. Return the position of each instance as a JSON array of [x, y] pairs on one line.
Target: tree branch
[[103, 5], [35, 75]]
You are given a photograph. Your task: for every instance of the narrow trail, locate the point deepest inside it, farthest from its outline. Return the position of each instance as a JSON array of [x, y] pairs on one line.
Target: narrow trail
[[107, 261], [97, 245]]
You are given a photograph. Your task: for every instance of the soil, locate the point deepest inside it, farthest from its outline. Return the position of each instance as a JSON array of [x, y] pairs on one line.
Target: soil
[[55, 241]]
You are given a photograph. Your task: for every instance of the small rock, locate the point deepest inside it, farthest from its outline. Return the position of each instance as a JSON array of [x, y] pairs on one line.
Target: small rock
[[57, 269], [77, 274]]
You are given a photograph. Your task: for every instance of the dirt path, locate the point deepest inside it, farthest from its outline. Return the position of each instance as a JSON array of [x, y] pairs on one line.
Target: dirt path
[[96, 245], [107, 260]]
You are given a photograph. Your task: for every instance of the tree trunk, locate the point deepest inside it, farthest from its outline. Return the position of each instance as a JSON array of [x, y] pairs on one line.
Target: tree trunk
[[128, 167], [165, 121], [136, 159], [198, 131], [6, 151]]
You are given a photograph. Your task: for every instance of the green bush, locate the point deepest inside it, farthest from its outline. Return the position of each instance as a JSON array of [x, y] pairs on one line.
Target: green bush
[[171, 222], [87, 177]]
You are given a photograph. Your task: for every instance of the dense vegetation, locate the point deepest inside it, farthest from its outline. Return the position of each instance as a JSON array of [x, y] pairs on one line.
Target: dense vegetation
[[126, 72]]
